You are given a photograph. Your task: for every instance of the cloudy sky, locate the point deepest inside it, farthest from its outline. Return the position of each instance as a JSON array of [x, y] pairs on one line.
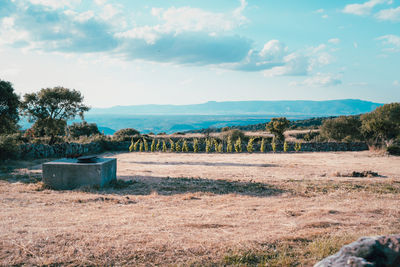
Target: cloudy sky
[[183, 52]]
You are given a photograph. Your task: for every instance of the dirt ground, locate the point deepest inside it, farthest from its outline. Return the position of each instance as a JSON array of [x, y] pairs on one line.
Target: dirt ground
[[269, 209]]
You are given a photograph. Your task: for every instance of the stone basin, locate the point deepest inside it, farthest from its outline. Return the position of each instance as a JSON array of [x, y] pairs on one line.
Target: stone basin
[[65, 174]]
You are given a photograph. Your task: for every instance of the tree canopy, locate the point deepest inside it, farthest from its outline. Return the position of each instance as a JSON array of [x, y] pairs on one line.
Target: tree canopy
[[383, 124], [343, 128], [9, 103], [277, 126], [51, 108]]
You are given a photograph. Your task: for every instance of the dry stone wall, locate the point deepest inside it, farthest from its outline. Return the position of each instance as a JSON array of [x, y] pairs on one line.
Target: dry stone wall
[[35, 151]]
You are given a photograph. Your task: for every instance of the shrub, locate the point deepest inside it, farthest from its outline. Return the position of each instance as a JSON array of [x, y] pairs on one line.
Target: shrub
[[195, 145], [135, 146], [229, 147], [83, 129], [273, 145], [262, 146], [250, 145], [225, 129], [132, 146], [164, 146], [146, 146], [172, 145], [158, 145], [285, 147], [185, 147], [127, 132], [141, 146], [178, 146], [153, 145], [9, 146], [277, 126], [394, 150], [341, 128], [215, 145], [208, 145], [234, 134], [297, 147], [238, 145]]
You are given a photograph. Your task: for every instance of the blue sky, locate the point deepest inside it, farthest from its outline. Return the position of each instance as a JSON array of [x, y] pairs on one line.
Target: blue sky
[[184, 52]]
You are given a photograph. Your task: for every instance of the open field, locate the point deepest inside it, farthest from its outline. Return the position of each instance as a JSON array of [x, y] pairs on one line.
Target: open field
[[202, 209]]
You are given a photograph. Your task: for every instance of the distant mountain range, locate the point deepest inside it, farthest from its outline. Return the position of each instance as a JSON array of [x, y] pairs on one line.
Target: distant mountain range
[[173, 118], [281, 108]]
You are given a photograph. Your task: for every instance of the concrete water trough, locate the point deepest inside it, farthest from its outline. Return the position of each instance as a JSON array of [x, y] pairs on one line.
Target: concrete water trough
[[64, 174]]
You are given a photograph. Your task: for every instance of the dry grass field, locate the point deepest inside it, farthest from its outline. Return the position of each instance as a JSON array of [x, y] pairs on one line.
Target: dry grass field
[[201, 209]]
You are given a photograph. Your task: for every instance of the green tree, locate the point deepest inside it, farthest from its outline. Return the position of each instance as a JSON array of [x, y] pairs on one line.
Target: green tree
[[341, 128], [250, 145], [51, 108], [278, 126], [262, 146], [83, 129], [195, 145], [9, 103], [238, 145], [383, 124]]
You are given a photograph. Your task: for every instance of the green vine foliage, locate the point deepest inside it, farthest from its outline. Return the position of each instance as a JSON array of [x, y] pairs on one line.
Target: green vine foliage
[[262, 147], [132, 146], [135, 146], [164, 146], [196, 145], [178, 147], [285, 147], [238, 145], [158, 145], [215, 142], [250, 145], [172, 145], [153, 145], [141, 146], [208, 145], [229, 147], [146, 145], [185, 147]]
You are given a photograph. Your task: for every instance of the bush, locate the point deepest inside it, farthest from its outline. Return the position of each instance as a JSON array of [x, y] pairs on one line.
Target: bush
[[208, 145], [83, 129], [9, 146], [238, 145], [178, 146], [195, 145], [297, 147], [127, 132], [229, 146], [172, 145], [215, 145], [285, 147], [273, 145], [141, 146], [135, 146], [158, 145], [225, 129], [262, 146], [343, 128], [233, 134], [153, 145], [132, 146], [185, 147], [250, 145], [278, 126], [146, 145], [164, 146], [394, 150]]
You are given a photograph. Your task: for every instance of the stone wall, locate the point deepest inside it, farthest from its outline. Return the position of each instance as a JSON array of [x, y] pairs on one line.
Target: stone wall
[[35, 151]]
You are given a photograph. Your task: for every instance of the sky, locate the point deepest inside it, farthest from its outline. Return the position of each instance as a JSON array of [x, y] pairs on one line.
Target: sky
[[131, 52]]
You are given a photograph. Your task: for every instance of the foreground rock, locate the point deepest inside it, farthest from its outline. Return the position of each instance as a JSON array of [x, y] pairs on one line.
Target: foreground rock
[[367, 251]]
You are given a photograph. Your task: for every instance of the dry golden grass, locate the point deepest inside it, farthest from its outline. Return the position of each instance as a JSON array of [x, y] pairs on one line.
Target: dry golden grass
[[201, 209]]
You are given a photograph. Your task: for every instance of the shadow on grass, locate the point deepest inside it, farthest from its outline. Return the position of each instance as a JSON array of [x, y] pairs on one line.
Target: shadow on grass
[[146, 185], [233, 164]]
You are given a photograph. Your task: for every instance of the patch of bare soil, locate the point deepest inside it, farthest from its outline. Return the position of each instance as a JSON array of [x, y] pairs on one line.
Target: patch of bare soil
[[201, 209]]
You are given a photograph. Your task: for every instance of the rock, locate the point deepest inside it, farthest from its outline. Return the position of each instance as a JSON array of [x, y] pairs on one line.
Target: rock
[[367, 252]]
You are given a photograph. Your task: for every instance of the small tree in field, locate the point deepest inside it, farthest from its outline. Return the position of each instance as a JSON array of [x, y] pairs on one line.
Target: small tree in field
[[146, 145], [285, 147], [153, 145], [172, 145], [220, 147], [141, 146], [158, 145], [132, 146], [238, 145], [277, 126], [9, 102], [164, 146], [185, 147], [273, 145], [297, 147], [178, 146], [208, 145], [195, 145], [215, 145], [262, 147], [135, 146], [250, 145], [229, 146], [50, 109]]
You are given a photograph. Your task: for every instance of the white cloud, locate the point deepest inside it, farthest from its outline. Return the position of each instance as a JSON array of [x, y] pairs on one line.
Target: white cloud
[[364, 8], [295, 65], [396, 83], [391, 41], [321, 10], [392, 14], [100, 2], [319, 80], [56, 3], [109, 11], [334, 41]]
